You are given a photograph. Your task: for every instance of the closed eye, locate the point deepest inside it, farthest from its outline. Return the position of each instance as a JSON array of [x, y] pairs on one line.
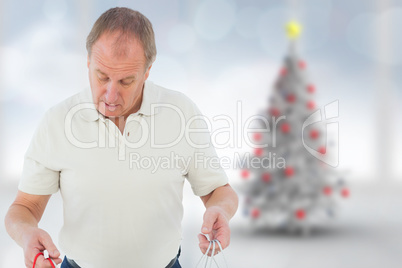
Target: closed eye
[[126, 82], [102, 76]]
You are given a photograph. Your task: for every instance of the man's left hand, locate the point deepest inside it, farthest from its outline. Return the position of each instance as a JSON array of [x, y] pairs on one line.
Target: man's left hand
[[216, 225]]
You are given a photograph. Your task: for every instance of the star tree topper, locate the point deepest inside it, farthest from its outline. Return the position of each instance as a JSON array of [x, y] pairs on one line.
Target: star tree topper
[[293, 29]]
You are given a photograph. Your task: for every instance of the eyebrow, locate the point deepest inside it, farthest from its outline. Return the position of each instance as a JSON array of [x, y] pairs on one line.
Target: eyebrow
[[125, 78], [99, 71], [129, 77]]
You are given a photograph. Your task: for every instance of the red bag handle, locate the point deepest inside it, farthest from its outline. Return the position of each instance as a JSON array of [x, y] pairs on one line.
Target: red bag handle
[[36, 257]]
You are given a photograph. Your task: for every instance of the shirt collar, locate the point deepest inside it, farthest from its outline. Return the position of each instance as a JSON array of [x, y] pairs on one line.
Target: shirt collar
[[150, 96]]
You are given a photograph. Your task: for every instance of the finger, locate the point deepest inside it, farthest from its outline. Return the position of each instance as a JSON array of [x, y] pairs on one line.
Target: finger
[[204, 247], [202, 238], [52, 262], [203, 243], [56, 261], [222, 235], [31, 260], [51, 248], [208, 245], [41, 262], [219, 247], [215, 252], [213, 248]]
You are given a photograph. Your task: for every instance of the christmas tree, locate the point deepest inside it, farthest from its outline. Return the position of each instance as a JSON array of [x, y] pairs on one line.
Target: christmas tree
[[285, 185]]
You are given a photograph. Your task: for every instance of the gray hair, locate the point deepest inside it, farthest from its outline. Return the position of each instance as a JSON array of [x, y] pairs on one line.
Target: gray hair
[[129, 23]]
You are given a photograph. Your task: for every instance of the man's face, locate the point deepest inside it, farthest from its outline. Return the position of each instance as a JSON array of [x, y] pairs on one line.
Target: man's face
[[117, 75]]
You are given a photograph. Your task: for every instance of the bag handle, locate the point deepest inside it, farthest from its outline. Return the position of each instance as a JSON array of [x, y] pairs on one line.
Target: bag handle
[[49, 259], [212, 258]]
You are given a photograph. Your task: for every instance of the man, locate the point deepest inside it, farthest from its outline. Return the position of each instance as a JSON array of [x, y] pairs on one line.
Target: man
[[118, 211]]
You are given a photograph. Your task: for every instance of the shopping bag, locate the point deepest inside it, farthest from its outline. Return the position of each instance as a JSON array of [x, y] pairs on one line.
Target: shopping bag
[[205, 260]]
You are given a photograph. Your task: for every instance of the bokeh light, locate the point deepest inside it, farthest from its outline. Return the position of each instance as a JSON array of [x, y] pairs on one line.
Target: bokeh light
[[12, 66], [215, 18], [247, 22], [55, 10], [182, 38], [166, 69], [360, 35]]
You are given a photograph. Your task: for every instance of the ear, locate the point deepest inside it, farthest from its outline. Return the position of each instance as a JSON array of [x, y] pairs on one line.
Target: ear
[[147, 73], [88, 61]]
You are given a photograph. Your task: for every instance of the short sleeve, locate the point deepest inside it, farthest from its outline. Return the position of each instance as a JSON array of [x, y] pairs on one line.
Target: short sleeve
[[37, 176], [205, 172]]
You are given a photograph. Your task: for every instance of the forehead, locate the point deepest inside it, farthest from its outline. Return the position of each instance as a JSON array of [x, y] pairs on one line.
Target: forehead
[[116, 49]]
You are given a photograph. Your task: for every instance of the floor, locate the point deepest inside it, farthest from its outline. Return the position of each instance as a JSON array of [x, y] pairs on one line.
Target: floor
[[367, 234]]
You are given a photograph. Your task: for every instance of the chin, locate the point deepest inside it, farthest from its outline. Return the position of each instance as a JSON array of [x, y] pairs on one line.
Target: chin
[[111, 114], [107, 113]]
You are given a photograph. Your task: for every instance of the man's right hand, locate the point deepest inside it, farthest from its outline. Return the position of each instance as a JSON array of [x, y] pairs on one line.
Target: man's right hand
[[36, 240], [21, 223]]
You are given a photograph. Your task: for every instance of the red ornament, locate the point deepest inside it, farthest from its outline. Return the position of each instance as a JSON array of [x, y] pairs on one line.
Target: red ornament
[[289, 172], [245, 174], [300, 214], [327, 190], [255, 213], [291, 98], [310, 88], [314, 134], [302, 64], [257, 136], [345, 193], [258, 151], [285, 128], [274, 112], [266, 177], [283, 71], [322, 150], [310, 105]]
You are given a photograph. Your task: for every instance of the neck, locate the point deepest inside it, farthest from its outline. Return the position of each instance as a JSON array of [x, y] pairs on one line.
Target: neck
[[120, 122]]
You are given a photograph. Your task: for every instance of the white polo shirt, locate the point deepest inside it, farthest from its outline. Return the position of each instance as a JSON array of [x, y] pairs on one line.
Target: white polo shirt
[[122, 193]]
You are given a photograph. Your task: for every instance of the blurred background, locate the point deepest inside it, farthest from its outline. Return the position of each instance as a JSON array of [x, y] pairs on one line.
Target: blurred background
[[220, 52]]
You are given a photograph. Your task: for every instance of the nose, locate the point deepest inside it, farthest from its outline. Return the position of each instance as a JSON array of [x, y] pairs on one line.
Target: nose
[[111, 94]]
